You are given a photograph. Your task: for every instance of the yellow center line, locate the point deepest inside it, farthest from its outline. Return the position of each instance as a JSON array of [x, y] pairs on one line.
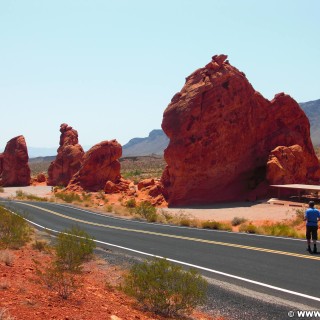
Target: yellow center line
[[233, 245]]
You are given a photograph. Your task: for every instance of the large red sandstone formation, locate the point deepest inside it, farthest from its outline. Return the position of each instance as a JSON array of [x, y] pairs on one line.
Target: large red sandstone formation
[[221, 134], [290, 165], [100, 164], [14, 167], [69, 157]]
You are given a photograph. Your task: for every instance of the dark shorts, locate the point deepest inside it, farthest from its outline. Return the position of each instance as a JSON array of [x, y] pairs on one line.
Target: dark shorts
[[312, 232]]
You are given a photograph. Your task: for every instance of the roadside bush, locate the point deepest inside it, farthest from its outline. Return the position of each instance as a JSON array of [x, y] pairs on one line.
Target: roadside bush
[[280, 229], [237, 221], [73, 247], [146, 210], [165, 287], [215, 225], [109, 208], [40, 245], [63, 275], [28, 196], [63, 282], [249, 228], [14, 230], [68, 197], [131, 203]]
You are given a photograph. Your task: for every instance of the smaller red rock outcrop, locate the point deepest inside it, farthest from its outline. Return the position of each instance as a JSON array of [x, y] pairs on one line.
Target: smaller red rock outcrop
[[14, 167], [291, 165], [69, 157], [100, 164]]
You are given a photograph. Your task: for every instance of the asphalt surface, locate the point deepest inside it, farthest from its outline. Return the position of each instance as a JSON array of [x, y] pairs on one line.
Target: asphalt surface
[[257, 270]]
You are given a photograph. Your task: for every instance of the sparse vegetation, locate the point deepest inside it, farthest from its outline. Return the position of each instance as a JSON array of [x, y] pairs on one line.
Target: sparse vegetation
[[14, 230], [1, 189], [28, 196], [68, 197], [131, 203], [109, 208], [166, 288], [215, 225], [147, 211], [142, 167], [236, 221], [249, 228], [72, 249], [40, 245]]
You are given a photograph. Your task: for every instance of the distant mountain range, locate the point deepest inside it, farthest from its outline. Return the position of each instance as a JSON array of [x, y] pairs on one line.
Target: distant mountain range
[[312, 110], [155, 143]]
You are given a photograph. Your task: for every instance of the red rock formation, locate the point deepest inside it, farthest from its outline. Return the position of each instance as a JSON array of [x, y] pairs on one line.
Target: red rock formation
[[221, 133], [145, 183], [1, 163], [291, 165], [100, 164], [14, 164], [41, 177], [69, 157]]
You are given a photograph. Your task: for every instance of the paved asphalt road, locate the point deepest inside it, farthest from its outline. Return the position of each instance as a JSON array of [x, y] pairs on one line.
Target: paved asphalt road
[[267, 266]]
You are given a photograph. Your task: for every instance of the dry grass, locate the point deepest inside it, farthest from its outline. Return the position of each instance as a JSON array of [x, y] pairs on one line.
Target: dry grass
[[6, 257]]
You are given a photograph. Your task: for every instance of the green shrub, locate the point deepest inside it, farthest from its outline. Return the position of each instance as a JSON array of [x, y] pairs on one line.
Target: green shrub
[[147, 210], [300, 214], [40, 245], [131, 203], [19, 193], [237, 221], [28, 196], [14, 230], [165, 287], [68, 197], [215, 225], [185, 222], [280, 229], [73, 247], [109, 208], [249, 228], [63, 282]]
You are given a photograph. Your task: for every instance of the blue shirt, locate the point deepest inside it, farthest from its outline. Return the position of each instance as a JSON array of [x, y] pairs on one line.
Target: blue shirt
[[312, 216]]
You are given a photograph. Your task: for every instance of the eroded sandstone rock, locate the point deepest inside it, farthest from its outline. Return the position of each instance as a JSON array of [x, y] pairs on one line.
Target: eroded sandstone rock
[[221, 134], [288, 165], [100, 164], [14, 167], [69, 157]]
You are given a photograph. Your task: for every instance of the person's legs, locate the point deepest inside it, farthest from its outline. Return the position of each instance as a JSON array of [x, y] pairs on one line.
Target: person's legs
[[315, 238], [308, 237]]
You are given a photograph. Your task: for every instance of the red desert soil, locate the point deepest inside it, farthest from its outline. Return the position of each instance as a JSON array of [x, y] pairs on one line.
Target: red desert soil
[[24, 298]]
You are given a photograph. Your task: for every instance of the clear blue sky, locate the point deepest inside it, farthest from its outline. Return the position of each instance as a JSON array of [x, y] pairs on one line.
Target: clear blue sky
[[109, 68]]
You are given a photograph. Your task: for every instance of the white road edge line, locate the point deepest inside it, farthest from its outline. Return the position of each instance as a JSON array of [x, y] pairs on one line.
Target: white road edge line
[[178, 227], [197, 267]]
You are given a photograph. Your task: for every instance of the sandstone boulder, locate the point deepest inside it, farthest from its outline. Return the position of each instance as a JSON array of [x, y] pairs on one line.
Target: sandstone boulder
[[288, 165], [221, 133], [69, 157], [100, 164], [145, 183], [14, 167]]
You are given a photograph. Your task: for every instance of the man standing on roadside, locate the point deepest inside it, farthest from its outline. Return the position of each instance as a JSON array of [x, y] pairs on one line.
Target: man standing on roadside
[[312, 216]]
